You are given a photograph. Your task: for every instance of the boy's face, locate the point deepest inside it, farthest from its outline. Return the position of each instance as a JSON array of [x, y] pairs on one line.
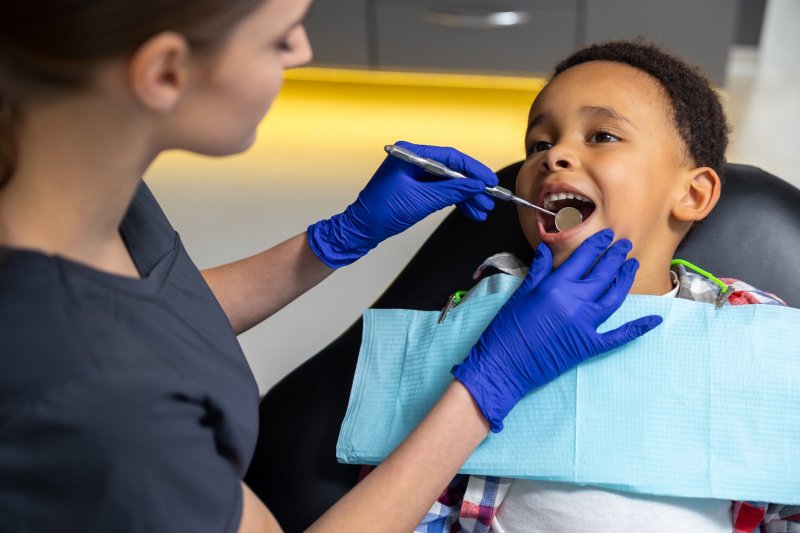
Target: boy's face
[[603, 131]]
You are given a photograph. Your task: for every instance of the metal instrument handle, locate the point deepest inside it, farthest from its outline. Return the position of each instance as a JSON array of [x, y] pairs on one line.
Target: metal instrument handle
[[499, 192]]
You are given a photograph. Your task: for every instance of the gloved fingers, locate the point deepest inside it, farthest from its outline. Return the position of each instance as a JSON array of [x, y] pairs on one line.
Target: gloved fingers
[[472, 212], [484, 202], [629, 331], [455, 160], [585, 255], [605, 269], [612, 299], [441, 194], [541, 266], [477, 207]]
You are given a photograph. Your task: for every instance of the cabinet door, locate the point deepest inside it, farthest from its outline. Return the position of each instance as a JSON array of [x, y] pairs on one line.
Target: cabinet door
[[512, 36], [337, 30], [699, 32]]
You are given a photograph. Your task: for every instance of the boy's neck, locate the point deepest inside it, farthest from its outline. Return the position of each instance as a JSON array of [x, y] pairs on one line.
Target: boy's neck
[[652, 278]]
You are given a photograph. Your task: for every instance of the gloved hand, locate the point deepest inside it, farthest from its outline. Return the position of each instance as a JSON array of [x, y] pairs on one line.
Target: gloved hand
[[398, 196], [549, 324]]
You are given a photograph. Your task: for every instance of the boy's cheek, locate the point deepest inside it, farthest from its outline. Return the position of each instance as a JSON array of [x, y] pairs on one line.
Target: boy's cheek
[[530, 225], [526, 180]]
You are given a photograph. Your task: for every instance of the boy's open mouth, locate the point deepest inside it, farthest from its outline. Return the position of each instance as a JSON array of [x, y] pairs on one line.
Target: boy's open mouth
[[554, 201]]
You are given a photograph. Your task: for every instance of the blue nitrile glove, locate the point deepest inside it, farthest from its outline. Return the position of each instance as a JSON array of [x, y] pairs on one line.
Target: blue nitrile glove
[[398, 196], [549, 324]]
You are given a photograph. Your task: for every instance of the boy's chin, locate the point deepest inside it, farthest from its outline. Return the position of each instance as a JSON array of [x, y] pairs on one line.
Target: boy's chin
[[561, 255], [560, 252], [562, 245]]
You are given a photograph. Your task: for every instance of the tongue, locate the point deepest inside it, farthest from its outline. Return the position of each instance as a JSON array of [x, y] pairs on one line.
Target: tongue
[[586, 210]]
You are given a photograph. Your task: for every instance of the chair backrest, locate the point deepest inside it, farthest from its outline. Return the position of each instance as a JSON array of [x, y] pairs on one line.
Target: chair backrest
[[753, 235]]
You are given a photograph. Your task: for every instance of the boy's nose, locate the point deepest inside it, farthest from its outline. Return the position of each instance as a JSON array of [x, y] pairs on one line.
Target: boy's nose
[[558, 158]]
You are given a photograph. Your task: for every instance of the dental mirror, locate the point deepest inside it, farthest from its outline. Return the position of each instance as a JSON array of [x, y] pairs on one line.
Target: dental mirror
[[568, 218]]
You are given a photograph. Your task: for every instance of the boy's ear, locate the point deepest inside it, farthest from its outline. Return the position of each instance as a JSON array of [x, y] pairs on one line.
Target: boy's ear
[[158, 71], [700, 194]]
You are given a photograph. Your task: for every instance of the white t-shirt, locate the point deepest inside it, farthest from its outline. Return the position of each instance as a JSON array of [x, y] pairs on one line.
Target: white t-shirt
[[549, 507]]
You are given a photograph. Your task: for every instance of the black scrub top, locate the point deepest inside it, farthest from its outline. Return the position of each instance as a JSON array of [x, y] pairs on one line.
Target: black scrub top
[[125, 404]]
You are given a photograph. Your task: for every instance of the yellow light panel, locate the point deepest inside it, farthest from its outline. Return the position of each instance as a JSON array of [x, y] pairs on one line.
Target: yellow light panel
[[332, 124]]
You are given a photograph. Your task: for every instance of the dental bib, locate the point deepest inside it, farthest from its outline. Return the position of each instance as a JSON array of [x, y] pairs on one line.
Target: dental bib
[[707, 405]]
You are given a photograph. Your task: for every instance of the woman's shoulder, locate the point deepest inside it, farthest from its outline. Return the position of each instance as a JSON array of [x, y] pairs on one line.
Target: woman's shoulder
[[40, 343], [49, 324], [31, 297]]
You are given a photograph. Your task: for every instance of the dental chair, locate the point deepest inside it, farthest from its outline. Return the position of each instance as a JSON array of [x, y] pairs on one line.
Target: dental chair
[[753, 234]]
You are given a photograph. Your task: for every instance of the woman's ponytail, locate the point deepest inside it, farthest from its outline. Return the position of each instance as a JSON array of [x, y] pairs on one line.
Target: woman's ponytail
[[7, 156], [7, 148]]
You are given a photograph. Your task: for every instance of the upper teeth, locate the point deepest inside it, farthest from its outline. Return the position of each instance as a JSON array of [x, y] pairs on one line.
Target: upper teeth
[[554, 196]]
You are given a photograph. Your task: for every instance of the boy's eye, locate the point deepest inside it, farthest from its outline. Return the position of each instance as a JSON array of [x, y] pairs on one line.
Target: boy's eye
[[539, 146], [603, 137]]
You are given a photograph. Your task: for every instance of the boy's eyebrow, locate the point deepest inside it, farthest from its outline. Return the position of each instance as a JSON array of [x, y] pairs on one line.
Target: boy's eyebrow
[[594, 111], [538, 119], [605, 112]]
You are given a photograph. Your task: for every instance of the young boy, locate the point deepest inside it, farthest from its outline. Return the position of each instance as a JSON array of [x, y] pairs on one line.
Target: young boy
[[635, 139]]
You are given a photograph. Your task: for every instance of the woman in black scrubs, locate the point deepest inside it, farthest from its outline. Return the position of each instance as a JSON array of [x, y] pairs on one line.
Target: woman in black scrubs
[[126, 403]]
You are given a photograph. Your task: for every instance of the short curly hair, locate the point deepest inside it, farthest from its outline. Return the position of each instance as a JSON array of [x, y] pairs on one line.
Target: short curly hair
[[697, 111]]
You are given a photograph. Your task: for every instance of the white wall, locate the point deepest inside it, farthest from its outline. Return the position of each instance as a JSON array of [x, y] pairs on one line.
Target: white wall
[[764, 96]]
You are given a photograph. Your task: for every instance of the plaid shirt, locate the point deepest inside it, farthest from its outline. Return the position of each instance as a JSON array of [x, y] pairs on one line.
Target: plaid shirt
[[469, 503]]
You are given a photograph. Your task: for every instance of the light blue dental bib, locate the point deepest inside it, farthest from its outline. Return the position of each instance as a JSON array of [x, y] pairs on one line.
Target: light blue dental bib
[[707, 405]]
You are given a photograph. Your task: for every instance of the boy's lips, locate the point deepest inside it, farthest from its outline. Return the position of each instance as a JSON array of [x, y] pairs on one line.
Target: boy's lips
[[555, 196], [559, 236]]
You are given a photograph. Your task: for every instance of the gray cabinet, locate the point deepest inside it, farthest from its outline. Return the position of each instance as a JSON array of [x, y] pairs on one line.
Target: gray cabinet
[[700, 32], [337, 30], [510, 36]]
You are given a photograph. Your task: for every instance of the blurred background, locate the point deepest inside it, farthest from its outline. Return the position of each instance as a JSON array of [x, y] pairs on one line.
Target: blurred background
[[456, 73]]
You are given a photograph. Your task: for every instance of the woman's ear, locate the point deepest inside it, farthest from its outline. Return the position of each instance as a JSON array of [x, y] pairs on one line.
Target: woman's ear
[[700, 194], [158, 71]]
